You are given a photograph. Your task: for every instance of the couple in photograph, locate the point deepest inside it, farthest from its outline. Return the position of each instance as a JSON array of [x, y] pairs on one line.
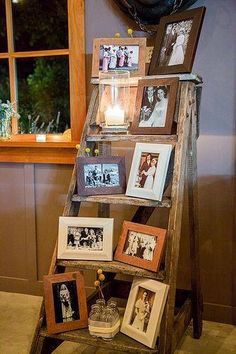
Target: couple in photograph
[[154, 107], [142, 309], [113, 58], [147, 172]]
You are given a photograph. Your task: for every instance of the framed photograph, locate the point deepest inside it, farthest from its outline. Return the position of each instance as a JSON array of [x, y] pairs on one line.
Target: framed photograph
[[65, 302], [155, 106], [85, 238], [176, 42], [144, 310], [101, 175], [148, 170], [119, 54], [141, 245]]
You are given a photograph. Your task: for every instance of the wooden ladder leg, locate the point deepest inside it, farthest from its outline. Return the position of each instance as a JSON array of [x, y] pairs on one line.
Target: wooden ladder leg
[[197, 301]]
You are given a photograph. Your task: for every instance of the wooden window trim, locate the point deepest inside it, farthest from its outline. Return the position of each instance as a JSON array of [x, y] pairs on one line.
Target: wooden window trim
[[20, 144]]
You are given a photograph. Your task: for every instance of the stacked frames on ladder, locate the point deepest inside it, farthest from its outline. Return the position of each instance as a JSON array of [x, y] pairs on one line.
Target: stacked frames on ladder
[[181, 306]]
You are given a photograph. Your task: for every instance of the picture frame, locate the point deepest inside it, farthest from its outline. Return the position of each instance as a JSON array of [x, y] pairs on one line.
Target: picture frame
[[155, 106], [144, 310], [101, 175], [65, 302], [119, 54], [85, 238], [148, 170], [141, 246], [176, 42]]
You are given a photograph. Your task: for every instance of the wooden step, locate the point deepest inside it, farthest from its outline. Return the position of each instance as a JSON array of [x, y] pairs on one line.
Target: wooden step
[[120, 342], [122, 199], [113, 267], [171, 139]]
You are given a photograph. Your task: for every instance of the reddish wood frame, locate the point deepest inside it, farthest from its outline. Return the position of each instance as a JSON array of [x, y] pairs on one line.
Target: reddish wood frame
[[52, 326], [167, 129], [160, 234]]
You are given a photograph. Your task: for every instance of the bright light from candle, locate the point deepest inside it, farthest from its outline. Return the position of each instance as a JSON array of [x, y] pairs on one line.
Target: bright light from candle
[[114, 116]]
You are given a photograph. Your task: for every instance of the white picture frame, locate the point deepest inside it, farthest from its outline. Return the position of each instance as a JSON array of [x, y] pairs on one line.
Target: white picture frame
[[154, 183], [85, 238], [142, 321]]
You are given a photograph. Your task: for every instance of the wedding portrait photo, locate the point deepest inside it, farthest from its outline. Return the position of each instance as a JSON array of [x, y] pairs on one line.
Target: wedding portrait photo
[[140, 245], [81, 238], [65, 301], [101, 175], [175, 43], [117, 57], [147, 170], [142, 309]]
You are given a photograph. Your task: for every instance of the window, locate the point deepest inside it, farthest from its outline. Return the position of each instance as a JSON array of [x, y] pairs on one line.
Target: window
[[42, 65]]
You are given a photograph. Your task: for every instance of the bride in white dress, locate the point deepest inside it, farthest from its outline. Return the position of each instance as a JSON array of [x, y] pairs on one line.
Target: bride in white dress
[[177, 55], [150, 173]]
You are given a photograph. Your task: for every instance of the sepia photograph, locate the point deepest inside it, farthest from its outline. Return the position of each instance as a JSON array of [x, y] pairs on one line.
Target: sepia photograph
[[142, 309], [85, 238], [65, 301], [155, 106], [141, 245], [119, 54], [175, 43], [101, 175], [117, 57], [147, 170], [81, 238]]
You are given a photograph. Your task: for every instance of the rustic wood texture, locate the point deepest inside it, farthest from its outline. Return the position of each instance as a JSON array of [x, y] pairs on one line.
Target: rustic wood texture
[[165, 139]]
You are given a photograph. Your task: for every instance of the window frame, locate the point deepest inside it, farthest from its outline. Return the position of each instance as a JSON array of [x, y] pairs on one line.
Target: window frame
[[76, 56]]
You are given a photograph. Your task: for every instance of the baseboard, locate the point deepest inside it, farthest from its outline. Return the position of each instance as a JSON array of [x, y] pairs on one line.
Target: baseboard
[[219, 313]]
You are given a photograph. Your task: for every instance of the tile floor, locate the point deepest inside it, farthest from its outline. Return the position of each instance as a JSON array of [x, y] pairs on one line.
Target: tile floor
[[19, 314]]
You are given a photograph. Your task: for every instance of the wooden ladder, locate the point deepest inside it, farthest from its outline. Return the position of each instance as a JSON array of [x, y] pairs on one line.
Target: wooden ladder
[[181, 306]]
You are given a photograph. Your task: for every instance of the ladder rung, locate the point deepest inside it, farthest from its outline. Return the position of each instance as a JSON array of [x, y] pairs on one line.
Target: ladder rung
[[171, 139]]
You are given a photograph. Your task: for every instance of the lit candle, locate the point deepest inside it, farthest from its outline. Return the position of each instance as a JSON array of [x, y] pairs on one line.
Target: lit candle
[[114, 116]]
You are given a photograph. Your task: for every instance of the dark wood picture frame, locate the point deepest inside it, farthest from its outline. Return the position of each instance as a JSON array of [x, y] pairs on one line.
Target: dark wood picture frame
[[81, 184], [197, 16], [160, 235], [79, 302], [141, 42], [172, 84]]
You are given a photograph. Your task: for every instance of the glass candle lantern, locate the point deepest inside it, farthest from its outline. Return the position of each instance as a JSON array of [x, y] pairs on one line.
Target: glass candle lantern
[[114, 100]]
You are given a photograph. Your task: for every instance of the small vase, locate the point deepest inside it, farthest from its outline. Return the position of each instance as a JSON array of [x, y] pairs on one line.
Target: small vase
[[5, 128]]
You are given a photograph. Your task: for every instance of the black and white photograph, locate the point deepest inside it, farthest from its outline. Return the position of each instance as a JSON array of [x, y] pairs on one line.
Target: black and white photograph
[[119, 57], [85, 238], [140, 245], [147, 170], [175, 43], [154, 106], [142, 309], [101, 175], [65, 301]]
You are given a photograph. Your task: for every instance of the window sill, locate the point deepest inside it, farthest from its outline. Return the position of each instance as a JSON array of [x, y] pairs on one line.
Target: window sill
[[58, 149]]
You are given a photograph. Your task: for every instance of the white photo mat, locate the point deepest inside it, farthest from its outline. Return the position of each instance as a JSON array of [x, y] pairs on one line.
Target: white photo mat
[[149, 337], [64, 252], [164, 151]]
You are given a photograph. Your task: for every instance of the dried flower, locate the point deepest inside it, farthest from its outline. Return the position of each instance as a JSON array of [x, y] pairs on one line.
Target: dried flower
[[96, 151], [101, 277], [130, 32], [99, 271], [87, 150], [97, 283], [117, 35], [77, 146]]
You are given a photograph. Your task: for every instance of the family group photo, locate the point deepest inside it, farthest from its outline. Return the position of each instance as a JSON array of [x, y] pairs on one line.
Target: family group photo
[[140, 245], [154, 106], [147, 170], [142, 309], [65, 301], [114, 57], [175, 43], [81, 238], [101, 175]]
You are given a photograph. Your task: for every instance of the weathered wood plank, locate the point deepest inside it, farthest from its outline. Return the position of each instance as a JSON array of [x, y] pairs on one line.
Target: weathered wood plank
[[181, 322], [167, 139], [122, 199], [113, 266]]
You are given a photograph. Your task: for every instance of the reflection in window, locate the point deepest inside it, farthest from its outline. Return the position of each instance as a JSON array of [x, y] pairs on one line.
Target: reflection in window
[[43, 94], [4, 81], [40, 24], [3, 31]]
